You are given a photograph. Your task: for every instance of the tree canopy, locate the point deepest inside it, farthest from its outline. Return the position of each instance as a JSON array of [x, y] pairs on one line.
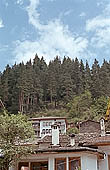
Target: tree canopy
[[15, 132], [37, 86]]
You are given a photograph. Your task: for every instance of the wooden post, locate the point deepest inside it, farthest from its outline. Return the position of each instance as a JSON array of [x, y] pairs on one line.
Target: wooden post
[[29, 165]]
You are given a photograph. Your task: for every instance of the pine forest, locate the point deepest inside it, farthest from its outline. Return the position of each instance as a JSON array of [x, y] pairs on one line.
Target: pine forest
[[65, 87]]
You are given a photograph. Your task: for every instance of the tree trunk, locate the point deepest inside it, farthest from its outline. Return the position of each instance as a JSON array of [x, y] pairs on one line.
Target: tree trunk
[[51, 96]]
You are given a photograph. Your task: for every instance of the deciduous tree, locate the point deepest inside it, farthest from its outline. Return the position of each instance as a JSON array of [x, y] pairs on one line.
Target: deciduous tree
[[15, 132]]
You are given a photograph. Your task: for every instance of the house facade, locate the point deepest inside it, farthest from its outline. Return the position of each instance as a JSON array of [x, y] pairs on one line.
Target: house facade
[[63, 159], [42, 125], [83, 151]]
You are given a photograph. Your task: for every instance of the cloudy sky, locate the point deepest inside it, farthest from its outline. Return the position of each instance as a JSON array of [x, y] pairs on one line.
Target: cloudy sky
[[75, 28]]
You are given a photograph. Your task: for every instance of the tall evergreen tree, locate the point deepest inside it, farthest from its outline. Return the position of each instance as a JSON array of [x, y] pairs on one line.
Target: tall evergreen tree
[[95, 85], [76, 78], [87, 76], [105, 79], [54, 70], [6, 86], [82, 72]]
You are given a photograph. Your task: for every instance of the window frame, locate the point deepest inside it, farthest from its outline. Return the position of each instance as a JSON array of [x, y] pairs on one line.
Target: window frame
[[74, 158], [57, 159]]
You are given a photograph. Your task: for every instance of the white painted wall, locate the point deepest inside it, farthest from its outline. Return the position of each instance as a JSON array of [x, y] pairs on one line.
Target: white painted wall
[[55, 136], [103, 164], [51, 163], [89, 162], [49, 123]]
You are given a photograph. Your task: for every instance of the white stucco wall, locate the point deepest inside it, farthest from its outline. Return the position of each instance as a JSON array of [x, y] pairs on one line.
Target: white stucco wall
[[89, 162], [103, 164], [48, 124], [55, 136]]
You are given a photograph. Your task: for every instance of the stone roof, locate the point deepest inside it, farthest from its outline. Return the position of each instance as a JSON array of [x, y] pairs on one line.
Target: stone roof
[[70, 149], [99, 140], [64, 140], [46, 118], [83, 137]]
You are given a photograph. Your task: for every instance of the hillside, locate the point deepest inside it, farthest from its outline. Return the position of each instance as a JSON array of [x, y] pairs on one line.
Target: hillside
[[69, 88]]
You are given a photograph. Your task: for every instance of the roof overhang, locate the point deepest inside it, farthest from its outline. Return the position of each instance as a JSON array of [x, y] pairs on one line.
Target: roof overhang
[[97, 152]]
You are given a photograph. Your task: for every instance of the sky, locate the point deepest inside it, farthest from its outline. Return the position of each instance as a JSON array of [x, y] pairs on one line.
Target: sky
[[50, 28]]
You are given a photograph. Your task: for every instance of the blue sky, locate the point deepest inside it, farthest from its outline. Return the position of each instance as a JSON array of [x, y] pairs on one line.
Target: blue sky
[[75, 28]]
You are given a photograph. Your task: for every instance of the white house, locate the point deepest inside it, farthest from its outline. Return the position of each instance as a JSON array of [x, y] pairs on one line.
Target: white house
[[70, 158], [84, 151], [61, 152], [42, 125]]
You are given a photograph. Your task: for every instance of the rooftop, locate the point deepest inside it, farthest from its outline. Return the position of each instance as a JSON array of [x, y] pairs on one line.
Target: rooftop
[[47, 118]]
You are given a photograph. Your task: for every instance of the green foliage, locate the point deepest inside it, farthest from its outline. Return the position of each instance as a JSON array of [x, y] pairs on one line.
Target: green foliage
[[83, 107], [15, 132], [80, 105], [73, 130], [99, 107], [35, 86]]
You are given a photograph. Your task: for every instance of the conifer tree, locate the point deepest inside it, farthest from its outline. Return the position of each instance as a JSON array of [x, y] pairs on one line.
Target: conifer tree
[[76, 78], [95, 85], [87, 76], [105, 79]]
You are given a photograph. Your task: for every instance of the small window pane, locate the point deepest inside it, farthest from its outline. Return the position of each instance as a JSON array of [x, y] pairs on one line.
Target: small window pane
[[60, 164], [74, 163]]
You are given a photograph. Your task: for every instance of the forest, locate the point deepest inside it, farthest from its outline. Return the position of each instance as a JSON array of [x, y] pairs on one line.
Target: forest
[[67, 86]]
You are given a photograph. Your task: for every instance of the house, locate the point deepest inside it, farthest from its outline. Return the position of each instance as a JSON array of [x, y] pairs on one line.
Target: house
[[63, 152], [42, 125], [83, 151]]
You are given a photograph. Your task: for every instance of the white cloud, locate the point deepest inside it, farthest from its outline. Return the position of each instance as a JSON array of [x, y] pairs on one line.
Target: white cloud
[[54, 39], [1, 23], [100, 28], [97, 23]]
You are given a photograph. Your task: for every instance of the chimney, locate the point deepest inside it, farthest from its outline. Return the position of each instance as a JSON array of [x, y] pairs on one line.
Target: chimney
[[55, 134], [72, 139], [102, 126]]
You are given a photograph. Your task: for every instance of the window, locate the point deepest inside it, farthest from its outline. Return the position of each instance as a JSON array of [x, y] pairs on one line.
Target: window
[[50, 131], [47, 131], [44, 124], [55, 127], [50, 123], [60, 164], [43, 131], [47, 123], [39, 166], [74, 163]]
